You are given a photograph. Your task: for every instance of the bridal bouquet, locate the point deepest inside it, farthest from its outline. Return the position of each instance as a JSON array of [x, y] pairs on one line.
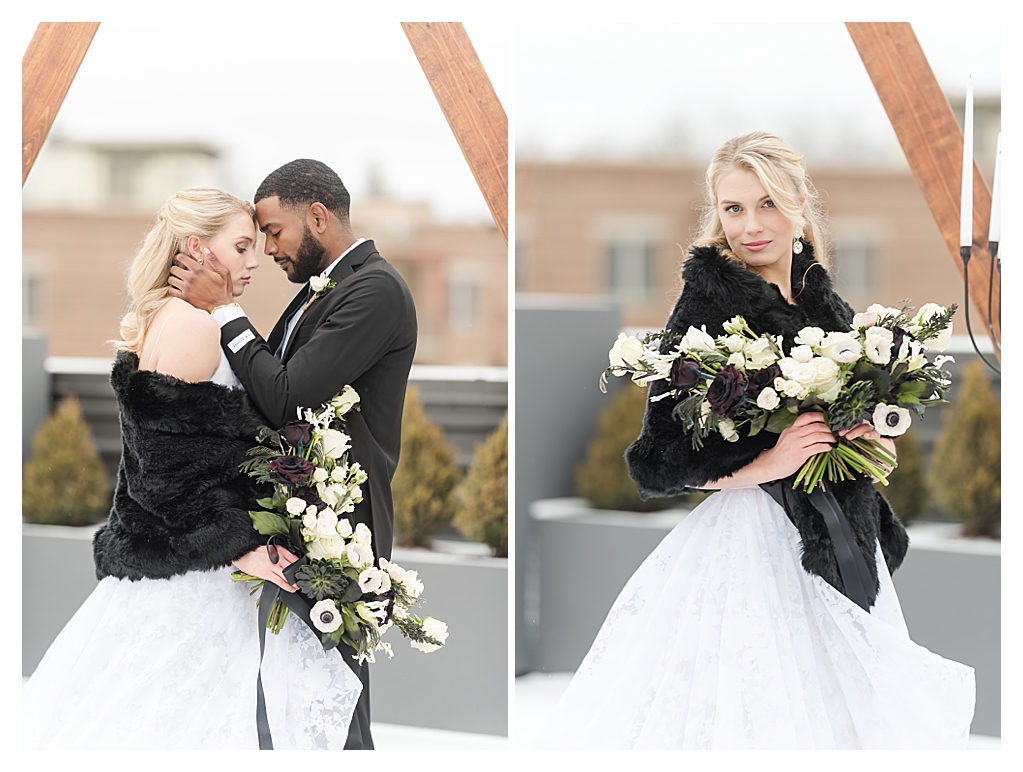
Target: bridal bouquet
[[352, 599], [877, 371]]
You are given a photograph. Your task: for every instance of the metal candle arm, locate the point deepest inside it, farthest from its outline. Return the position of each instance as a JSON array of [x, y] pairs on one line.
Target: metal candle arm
[[965, 254]]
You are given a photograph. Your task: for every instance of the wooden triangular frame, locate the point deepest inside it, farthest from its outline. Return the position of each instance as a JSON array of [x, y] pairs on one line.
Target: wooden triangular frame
[[453, 69], [932, 140]]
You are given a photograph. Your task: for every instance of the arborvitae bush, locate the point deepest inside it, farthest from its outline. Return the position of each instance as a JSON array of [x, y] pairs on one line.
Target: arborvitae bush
[[63, 483], [425, 480], [482, 498], [907, 487], [966, 469], [603, 478]]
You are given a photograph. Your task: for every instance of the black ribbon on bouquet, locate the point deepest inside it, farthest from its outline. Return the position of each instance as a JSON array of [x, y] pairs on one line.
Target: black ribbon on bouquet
[[852, 566], [297, 604]]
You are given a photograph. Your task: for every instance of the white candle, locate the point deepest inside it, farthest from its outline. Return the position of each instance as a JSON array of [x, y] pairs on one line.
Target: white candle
[[966, 204], [996, 196]]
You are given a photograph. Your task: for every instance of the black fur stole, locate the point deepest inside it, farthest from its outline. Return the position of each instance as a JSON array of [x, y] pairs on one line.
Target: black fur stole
[[662, 462], [180, 504]]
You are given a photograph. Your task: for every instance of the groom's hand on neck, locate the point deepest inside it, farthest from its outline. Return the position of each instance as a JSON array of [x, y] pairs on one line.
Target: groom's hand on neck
[[204, 282]]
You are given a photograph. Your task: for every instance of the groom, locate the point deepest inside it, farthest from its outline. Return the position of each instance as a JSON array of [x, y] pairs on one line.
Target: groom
[[361, 333]]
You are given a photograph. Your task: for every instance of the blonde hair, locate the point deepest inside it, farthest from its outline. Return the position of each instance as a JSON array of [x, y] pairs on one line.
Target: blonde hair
[[780, 170], [201, 212]]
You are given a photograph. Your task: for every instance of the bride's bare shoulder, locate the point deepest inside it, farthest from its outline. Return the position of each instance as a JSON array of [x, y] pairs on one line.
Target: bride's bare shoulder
[[188, 347]]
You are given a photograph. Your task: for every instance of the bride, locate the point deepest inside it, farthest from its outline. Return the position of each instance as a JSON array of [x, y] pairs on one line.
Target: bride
[[164, 653], [736, 632]]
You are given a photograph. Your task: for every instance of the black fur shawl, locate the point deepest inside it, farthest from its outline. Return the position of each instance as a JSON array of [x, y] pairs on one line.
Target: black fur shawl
[[180, 504], [662, 462]]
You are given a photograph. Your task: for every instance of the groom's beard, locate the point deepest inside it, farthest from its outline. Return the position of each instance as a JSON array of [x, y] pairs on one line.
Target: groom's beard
[[308, 259]]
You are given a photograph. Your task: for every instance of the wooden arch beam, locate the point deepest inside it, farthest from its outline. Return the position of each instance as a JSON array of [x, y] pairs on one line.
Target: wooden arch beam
[[469, 104], [48, 67], [932, 141]]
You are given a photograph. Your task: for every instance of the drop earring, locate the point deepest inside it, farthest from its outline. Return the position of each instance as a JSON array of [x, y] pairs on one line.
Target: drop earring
[[797, 245]]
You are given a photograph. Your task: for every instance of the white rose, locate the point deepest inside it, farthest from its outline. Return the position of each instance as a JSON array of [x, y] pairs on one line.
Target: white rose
[[882, 311], [344, 528], [768, 399], [891, 420], [829, 391], [801, 353], [727, 428], [356, 493], [735, 343], [626, 352], [877, 345], [737, 359], [791, 388], [345, 401], [698, 340], [319, 474], [326, 549], [865, 319], [363, 535], [804, 373], [810, 336], [325, 616], [826, 369], [335, 443], [317, 283], [734, 325], [309, 520], [326, 524], [295, 506], [339, 473], [435, 629], [941, 340]]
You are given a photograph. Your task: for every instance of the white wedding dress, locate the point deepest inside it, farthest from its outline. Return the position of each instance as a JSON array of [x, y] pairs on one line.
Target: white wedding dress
[[722, 640], [172, 663]]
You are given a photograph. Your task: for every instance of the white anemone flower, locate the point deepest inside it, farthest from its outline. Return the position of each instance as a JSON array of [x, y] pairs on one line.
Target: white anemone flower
[[325, 616], [891, 420]]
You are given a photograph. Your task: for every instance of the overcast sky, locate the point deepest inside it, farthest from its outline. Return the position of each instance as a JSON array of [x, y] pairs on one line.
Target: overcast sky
[[678, 90], [350, 94]]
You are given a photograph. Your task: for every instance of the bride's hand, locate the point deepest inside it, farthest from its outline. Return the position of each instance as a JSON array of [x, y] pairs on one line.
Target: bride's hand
[[202, 282], [806, 437], [867, 431], [258, 563]]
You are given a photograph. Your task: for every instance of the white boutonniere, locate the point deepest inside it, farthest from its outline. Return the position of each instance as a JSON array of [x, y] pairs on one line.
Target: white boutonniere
[[320, 285]]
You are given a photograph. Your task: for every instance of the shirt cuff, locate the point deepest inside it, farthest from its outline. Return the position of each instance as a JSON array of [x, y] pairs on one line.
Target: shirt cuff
[[229, 314]]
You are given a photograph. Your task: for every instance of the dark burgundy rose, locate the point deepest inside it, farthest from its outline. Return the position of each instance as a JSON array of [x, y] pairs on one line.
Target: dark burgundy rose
[[761, 379], [297, 433], [726, 391], [685, 374], [290, 470]]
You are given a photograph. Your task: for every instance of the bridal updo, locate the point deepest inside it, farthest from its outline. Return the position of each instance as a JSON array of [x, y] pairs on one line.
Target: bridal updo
[[201, 212], [780, 170]]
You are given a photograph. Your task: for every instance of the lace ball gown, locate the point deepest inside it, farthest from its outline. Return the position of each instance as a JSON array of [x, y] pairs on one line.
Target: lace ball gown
[[722, 640], [172, 663]]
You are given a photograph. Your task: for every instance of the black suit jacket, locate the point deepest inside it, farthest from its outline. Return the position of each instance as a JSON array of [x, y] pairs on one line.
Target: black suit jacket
[[363, 334]]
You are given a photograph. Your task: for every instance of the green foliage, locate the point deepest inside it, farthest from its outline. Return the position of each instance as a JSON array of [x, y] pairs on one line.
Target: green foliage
[[425, 480], [966, 468], [907, 487], [482, 498], [63, 483], [603, 478]]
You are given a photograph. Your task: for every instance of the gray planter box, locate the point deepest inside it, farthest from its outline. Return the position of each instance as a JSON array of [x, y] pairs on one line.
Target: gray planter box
[[462, 687], [949, 588]]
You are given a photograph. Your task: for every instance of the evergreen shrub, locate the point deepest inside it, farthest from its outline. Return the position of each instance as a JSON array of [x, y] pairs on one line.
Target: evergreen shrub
[[482, 497]]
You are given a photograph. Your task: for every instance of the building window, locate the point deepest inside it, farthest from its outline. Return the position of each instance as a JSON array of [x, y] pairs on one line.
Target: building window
[[629, 268], [462, 303], [32, 300], [855, 261]]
